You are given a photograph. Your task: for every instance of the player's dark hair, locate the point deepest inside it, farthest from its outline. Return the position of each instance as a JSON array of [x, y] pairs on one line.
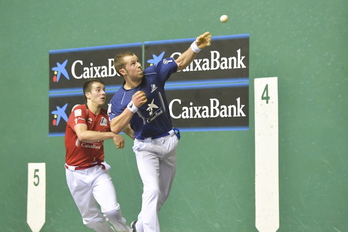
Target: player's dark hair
[[118, 60], [87, 86]]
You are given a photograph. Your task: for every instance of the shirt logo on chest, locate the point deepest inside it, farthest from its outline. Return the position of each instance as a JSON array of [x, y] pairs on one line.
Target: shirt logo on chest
[[153, 88], [103, 122], [151, 106]]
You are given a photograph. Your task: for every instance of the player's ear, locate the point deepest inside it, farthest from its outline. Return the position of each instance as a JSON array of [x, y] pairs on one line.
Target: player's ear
[[87, 95], [122, 71]]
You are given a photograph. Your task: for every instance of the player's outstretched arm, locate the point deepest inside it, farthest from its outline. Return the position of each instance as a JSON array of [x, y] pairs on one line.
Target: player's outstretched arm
[[187, 57], [85, 135]]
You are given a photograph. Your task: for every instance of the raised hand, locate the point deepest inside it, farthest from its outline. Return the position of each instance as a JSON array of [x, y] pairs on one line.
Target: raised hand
[[203, 40]]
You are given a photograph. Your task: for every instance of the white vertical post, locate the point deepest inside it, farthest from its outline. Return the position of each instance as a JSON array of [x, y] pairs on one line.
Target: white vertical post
[[266, 154], [36, 198]]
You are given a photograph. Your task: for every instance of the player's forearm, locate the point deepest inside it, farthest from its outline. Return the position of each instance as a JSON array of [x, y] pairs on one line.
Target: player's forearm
[[119, 123], [128, 131], [94, 136], [185, 59]]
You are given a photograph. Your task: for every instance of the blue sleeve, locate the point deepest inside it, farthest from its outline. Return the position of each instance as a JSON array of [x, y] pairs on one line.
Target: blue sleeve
[[115, 106], [110, 113], [166, 67]]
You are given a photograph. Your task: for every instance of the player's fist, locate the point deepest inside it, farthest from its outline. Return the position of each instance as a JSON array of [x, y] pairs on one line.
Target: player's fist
[[139, 99], [203, 40], [119, 141]]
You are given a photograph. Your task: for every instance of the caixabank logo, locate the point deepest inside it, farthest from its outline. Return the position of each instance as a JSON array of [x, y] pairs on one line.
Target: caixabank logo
[[68, 71], [58, 114], [59, 70], [156, 59], [71, 67]]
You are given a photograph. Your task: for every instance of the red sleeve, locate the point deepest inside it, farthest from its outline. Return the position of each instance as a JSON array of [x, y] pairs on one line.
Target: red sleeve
[[78, 115]]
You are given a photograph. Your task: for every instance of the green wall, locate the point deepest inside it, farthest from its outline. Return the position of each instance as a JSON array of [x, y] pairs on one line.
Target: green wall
[[303, 43]]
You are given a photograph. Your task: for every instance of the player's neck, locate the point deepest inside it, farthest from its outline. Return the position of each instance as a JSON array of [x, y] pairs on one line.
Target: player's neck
[[131, 84], [94, 108]]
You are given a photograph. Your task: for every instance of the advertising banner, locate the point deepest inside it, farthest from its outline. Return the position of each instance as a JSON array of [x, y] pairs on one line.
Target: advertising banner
[[211, 94], [70, 68]]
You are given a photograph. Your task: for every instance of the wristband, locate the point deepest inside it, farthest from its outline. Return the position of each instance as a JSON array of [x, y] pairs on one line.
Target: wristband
[[132, 107], [195, 48]]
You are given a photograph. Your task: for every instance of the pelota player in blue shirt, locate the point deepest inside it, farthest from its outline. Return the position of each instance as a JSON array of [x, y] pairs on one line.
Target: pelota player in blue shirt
[[140, 107]]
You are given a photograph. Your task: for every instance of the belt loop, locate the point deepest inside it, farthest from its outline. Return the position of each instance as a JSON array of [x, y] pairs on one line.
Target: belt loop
[[177, 132], [147, 140], [71, 168]]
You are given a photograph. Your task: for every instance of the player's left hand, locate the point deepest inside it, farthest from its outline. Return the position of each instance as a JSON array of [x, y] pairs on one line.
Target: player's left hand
[[119, 141], [203, 40]]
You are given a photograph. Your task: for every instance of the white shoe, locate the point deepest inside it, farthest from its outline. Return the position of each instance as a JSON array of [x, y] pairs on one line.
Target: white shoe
[[121, 227]]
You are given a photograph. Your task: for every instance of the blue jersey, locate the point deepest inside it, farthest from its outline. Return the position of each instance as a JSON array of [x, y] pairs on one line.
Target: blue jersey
[[152, 118]]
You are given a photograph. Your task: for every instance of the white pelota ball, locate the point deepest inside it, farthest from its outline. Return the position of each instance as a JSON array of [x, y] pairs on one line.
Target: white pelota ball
[[224, 18]]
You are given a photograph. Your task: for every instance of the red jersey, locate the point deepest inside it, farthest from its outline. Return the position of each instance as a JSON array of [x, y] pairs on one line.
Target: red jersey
[[83, 154]]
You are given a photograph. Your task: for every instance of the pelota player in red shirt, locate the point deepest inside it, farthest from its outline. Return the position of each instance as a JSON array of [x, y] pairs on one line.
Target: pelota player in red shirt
[[87, 173]]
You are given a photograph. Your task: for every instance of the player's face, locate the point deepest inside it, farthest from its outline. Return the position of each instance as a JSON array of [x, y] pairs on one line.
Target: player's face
[[133, 68], [97, 94]]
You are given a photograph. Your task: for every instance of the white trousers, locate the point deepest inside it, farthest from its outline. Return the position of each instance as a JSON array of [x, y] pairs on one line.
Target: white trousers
[[156, 160], [91, 188]]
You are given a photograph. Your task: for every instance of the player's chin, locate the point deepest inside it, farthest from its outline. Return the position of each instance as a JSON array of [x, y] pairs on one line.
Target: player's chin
[[102, 101]]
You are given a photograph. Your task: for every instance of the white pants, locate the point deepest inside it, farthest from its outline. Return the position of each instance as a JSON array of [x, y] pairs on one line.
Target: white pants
[[91, 188], [156, 160]]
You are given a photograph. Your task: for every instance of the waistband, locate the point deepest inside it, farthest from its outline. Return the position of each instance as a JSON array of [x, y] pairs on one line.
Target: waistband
[[72, 168], [171, 132]]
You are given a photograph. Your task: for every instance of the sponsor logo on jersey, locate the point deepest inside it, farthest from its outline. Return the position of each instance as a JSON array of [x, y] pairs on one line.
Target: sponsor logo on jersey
[[78, 119], [78, 112], [154, 111], [153, 88], [167, 61], [90, 145], [103, 121], [151, 106]]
